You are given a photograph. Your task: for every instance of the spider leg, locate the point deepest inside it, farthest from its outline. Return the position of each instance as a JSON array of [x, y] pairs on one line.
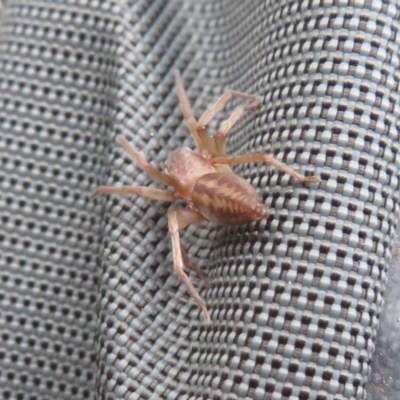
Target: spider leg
[[148, 192], [264, 158], [152, 171], [190, 265], [236, 114], [177, 220], [202, 139]]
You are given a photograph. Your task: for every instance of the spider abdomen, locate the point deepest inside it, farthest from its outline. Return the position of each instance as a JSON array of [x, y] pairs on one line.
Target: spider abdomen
[[227, 199]]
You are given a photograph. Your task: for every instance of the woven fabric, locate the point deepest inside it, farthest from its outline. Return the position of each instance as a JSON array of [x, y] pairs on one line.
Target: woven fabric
[[90, 307]]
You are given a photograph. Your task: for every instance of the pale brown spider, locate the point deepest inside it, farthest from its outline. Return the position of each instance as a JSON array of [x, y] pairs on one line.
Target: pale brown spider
[[204, 180]]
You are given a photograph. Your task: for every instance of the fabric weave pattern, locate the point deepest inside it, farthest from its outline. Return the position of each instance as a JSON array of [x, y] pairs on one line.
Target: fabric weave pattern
[[89, 305]]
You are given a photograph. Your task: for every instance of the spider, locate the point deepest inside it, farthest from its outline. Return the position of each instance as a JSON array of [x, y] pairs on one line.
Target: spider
[[204, 180]]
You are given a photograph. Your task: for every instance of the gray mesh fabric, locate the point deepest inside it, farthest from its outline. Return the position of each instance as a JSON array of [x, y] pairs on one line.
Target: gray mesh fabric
[[89, 305]]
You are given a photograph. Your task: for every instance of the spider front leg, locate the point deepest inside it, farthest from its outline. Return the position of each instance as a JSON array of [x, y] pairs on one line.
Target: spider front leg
[[177, 220], [264, 158], [220, 137], [202, 139]]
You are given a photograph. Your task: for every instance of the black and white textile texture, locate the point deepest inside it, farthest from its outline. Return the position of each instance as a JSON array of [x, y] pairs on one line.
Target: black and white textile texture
[[89, 307]]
